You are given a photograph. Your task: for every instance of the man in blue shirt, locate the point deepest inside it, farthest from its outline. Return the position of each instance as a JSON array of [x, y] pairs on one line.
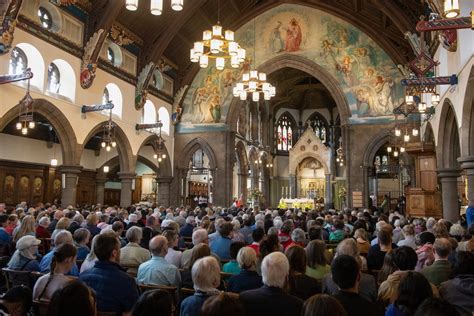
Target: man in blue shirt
[[157, 271], [63, 237], [221, 244], [116, 291]]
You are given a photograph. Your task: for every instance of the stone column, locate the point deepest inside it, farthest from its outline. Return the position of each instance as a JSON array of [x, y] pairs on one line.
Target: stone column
[[449, 192], [292, 186], [69, 177], [243, 185], [126, 178], [163, 195], [100, 189], [467, 164], [328, 196]]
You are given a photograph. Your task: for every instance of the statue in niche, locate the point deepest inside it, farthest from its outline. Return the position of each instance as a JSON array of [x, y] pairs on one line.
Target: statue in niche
[[9, 187], [37, 186]]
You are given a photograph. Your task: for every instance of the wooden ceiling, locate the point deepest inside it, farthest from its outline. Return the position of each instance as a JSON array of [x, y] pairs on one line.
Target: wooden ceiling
[[172, 34]]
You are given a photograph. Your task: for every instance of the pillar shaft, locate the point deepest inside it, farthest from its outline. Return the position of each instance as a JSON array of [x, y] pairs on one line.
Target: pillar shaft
[[467, 164], [70, 176], [292, 186], [100, 190], [126, 189], [328, 196], [449, 193], [163, 194]]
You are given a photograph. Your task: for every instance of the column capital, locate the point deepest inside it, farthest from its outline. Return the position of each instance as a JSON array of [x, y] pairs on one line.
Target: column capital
[[73, 169], [467, 162], [126, 175], [448, 172], [164, 179], [100, 180]]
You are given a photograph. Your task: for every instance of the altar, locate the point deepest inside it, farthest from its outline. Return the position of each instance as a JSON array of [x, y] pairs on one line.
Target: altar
[[301, 203]]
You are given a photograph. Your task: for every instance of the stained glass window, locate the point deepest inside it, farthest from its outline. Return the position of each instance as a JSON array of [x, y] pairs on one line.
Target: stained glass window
[[319, 126], [18, 62], [110, 55], [284, 133]]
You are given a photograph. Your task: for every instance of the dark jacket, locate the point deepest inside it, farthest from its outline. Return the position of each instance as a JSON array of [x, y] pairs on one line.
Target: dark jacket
[[459, 292], [355, 305], [303, 286], [375, 257], [270, 301], [191, 306], [367, 287], [438, 272], [116, 290], [244, 281]]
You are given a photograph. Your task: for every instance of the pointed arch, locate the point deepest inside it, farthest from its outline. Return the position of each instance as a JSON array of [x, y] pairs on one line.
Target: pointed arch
[[448, 147], [284, 132], [124, 149], [191, 147], [467, 131], [310, 67], [242, 157], [58, 120], [164, 168]]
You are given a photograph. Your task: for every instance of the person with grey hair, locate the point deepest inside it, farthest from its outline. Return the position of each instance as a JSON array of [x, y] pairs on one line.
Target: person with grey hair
[[63, 237], [42, 228], [81, 239], [76, 223], [188, 228], [132, 220], [397, 231], [298, 238], [408, 232], [217, 225], [206, 278], [156, 270], [24, 258], [132, 254], [199, 236], [367, 285], [271, 298], [441, 269]]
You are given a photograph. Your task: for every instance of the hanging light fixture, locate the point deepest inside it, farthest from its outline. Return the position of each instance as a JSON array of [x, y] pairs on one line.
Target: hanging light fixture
[[406, 138], [106, 169], [409, 99], [108, 141], [395, 153], [402, 149], [217, 45], [435, 99], [451, 8], [398, 131], [54, 161], [389, 149], [156, 6], [415, 132], [25, 119], [254, 82]]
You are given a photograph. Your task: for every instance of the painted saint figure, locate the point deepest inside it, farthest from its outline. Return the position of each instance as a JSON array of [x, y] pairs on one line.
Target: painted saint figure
[[276, 42], [293, 36]]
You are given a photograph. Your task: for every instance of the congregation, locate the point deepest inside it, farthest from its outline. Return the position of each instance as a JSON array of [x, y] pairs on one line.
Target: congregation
[[236, 261]]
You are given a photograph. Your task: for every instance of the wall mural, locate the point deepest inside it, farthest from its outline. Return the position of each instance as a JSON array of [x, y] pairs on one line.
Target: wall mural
[[368, 77]]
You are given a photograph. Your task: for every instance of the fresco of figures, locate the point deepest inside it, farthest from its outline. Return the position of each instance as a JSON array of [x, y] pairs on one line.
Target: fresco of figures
[[367, 76]]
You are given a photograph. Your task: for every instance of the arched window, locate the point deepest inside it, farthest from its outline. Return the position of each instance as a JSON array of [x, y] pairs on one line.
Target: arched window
[[319, 126], [18, 61], [164, 117], [45, 18], [284, 133], [105, 96], [110, 55], [149, 113], [54, 78]]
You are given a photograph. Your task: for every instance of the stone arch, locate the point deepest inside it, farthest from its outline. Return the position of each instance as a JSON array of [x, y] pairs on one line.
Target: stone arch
[[373, 147], [242, 156], [467, 127], [303, 64], [448, 146], [302, 157], [60, 123], [164, 168], [124, 149], [190, 149], [428, 135]]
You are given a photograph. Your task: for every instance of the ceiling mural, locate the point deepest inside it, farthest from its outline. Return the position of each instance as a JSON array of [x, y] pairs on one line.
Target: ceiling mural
[[367, 76]]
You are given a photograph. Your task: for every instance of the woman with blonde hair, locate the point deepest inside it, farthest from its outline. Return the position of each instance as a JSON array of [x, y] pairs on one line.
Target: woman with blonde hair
[[360, 235], [92, 220], [27, 227]]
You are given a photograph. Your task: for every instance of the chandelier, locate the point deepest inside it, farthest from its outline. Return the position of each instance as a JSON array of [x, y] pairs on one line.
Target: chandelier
[[108, 139], [340, 155], [156, 6], [254, 82], [160, 149], [25, 119], [215, 45]]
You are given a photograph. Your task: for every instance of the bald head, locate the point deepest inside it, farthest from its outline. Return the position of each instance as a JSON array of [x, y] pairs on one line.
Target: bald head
[[442, 248], [159, 246]]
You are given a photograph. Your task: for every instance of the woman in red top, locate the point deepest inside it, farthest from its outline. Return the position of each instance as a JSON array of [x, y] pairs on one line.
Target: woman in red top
[[42, 229]]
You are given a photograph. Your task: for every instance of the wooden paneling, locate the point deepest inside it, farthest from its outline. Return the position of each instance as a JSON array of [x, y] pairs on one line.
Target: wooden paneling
[[32, 183], [422, 203], [86, 188], [137, 193], [427, 177], [112, 196]]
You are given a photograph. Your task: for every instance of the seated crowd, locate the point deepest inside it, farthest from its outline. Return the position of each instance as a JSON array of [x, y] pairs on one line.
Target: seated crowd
[[238, 261]]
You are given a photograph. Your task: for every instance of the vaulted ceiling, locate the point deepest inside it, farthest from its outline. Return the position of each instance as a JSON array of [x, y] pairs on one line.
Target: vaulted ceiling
[[171, 35]]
